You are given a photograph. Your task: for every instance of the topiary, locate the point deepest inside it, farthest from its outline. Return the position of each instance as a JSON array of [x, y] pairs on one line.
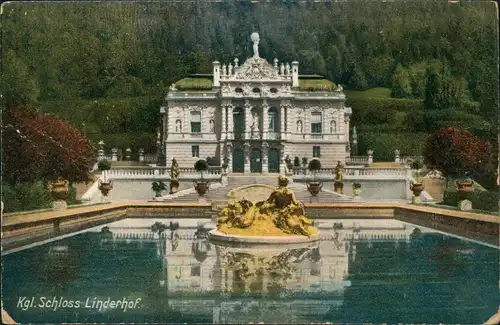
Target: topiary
[[314, 165], [104, 165], [201, 165]]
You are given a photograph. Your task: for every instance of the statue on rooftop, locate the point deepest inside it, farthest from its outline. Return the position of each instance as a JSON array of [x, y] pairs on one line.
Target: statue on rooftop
[[255, 39]]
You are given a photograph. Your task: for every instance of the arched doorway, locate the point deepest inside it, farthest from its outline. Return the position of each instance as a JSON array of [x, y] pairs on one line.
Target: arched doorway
[[238, 160], [256, 161], [273, 160], [238, 123]]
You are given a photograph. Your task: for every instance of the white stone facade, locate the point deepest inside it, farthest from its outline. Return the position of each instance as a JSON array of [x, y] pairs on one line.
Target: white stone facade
[[253, 117]]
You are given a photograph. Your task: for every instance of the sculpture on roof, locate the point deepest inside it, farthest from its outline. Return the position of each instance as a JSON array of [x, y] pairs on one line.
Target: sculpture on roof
[[255, 39]]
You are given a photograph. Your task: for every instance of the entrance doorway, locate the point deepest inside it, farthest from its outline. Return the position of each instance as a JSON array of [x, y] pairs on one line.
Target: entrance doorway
[[273, 160], [238, 160], [256, 161]]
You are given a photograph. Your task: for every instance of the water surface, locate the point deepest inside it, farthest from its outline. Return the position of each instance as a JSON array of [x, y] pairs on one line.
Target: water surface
[[377, 271]]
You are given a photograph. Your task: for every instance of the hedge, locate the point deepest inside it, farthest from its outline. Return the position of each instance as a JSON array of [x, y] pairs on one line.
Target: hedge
[[30, 196], [384, 144], [481, 200], [369, 111]]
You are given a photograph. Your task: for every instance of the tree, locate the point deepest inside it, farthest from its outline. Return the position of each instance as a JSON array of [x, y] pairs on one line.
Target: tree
[[401, 83], [42, 147], [456, 152]]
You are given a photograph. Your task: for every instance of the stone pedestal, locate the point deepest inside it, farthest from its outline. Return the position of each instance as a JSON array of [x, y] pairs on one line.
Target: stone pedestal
[[59, 205], [465, 205], [416, 200]]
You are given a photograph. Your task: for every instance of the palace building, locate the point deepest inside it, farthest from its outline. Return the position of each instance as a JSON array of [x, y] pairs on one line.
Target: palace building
[[251, 116]]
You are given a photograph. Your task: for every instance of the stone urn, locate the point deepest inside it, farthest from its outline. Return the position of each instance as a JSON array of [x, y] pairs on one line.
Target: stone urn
[[201, 187], [174, 186], [356, 190], [464, 186], [417, 188], [105, 187], [59, 189], [314, 188]]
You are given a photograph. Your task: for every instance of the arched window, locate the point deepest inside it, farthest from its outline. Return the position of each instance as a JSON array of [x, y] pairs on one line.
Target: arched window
[[274, 90], [333, 127], [178, 126], [195, 122], [299, 126], [256, 90], [238, 90]]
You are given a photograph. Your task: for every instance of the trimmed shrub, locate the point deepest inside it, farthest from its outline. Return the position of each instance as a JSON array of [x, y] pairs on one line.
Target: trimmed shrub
[[26, 197], [481, 200], [104, 165]]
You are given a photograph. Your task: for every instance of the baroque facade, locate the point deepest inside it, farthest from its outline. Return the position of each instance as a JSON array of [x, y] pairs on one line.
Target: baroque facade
[[251, 116]]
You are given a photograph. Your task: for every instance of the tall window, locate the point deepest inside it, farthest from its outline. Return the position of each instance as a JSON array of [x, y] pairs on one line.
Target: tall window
[[195, 122], [316, 122], [316, 151], [273, 120], [195, 151]]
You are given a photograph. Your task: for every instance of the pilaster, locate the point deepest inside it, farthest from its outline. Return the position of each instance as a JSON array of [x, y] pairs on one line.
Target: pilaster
[[282, 121], [265, 119], [247, 157], [223, 121], [229, 155], [265, 151], [248, 119], [230, 122]]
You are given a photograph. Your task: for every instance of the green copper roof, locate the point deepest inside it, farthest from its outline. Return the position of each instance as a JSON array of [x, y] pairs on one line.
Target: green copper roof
[[204, 82]]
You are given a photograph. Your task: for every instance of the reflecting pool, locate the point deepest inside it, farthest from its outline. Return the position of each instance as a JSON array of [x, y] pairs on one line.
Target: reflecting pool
[[362, 271]]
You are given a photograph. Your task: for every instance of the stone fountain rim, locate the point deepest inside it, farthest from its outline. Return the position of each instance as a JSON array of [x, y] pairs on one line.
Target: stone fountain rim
[[219, 236]]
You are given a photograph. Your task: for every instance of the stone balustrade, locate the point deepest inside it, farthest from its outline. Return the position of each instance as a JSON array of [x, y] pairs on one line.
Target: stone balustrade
[[354, 173], [163, 173], [356, 160]]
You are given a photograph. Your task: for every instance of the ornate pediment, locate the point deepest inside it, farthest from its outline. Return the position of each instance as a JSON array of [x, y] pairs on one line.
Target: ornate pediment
[[256, 68]]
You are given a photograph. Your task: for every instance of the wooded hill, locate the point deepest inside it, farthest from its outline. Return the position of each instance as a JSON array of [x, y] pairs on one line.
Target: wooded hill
[[106, 67]]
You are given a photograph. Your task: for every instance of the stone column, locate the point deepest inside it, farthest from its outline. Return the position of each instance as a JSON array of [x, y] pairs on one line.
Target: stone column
[[265, 151], [248, 119], [229, 155], [265, 119], [230, 122], [247, 157], [223, 122], [282, 121]]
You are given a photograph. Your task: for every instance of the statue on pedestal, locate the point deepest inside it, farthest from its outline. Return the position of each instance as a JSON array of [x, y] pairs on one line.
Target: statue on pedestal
[[339, 183], [255, 40], [174, 174]]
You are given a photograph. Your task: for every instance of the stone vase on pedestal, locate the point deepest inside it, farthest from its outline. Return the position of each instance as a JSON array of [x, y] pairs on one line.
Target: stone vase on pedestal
[[59, 190], [417, 189], [464, 187]]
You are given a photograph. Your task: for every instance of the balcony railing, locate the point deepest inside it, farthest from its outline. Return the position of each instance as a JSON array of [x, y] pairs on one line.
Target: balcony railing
[[356, 160]]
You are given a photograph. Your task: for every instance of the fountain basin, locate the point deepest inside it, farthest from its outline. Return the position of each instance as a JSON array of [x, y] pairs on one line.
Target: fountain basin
[[216, 235]]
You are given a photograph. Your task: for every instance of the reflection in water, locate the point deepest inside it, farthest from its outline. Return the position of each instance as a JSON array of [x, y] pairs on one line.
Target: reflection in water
[[360, 271]]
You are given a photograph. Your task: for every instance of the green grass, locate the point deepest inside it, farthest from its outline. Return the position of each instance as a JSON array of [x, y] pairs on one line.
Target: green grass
[[126, 163], [369, 93], [194, 84], [316, 84]]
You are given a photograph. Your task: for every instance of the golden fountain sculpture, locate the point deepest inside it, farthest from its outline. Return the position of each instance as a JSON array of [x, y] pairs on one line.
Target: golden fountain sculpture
[[280, 215]]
